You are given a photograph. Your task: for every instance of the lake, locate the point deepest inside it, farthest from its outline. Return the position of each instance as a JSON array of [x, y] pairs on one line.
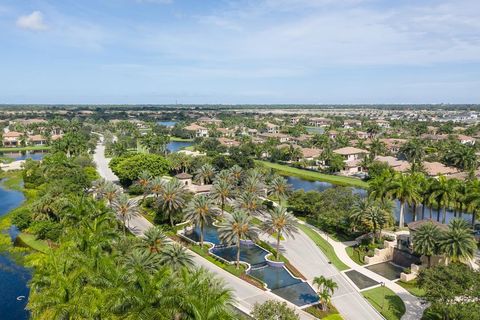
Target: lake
[[174, 146], [166, 123], [307, 185], [23, 155], [13, 277]]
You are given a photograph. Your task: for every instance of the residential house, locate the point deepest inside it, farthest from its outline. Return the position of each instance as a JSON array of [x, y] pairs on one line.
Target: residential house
[[280, 136], [37, 140], [396, 164], [11, 139], [319, 122], [294, 120], [350, 123], [352, 158], [228, 142], [465, 139], [383, 123], [225, 132], [393, 145], [435, 169], [197, 131], [272, 128], [207, 120], [310, 153]]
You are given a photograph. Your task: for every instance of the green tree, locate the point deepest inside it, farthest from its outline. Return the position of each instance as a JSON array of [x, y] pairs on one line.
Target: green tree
[[198, 212], [426, 241], [236, 227], [443, 191], [281, 222], [222, 191], [326, 287], [279, 188], [457, 244], [129, 167], [205, 173], [155, 239], [273, 309], [176, 257], [172, 199], [125, 208], [404, 188]]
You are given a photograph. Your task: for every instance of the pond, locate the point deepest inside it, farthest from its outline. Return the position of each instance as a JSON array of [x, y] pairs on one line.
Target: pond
[[166, 123], [308, 185], [174, 146], [23, 155], [13, 277]]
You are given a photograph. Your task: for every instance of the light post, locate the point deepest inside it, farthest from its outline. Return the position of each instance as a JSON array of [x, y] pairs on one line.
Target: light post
[[382, 284]]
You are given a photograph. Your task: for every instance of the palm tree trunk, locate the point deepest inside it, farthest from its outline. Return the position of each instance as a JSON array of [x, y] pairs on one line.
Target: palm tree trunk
[[170, 214], [474, 213], [444, 215], [414, 211], [124, 226], [401, 219], [438, 214], [429, 258], [223, 206], [201, 234], [423, 210], [278, 245], [430, 211]]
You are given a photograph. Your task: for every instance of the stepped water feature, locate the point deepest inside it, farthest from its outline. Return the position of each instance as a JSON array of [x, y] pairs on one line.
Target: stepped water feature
[[273, 274]]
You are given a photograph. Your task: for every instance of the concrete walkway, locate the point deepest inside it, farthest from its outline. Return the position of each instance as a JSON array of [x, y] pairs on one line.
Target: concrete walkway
[[246, 295], [413, 305]]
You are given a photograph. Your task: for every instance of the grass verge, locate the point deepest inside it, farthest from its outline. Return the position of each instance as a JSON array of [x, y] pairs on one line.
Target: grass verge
[[32, 148], [326, 247], [177, 139], [356, 255], [412, 287], [330, 314], [386, 302], [312, 175]]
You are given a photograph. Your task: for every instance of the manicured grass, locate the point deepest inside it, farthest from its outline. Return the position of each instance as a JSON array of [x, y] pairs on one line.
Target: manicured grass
[[177, 139], [330, 314], [355, 255], [31, 148], [326, 247], [391, 307], [13, 180], [311, 175], [412, 287], [31, 241]]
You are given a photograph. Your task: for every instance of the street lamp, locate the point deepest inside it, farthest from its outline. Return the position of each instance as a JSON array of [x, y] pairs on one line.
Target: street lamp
[[382, 284]]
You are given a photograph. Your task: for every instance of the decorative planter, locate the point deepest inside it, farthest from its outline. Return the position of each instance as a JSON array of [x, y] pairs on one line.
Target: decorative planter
[[271, 263]]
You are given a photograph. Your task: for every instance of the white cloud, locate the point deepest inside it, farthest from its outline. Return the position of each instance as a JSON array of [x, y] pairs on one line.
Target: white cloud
[[33, 21]]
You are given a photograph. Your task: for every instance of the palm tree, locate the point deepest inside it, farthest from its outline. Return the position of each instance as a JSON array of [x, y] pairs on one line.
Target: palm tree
[[156, 186], [457, 244], [373, 214], [177, 257], [414, 151], [249, 202], [405, 190], [443, 190], [279, 188], [205, 173], [125, 208], [154, 239], [378, 187], [236, 173], [172, 198], [144, 181], [198, 212], [222, 191], [473, 198], [280, 221], [108, 191], [326, 288], [425, 240], [235, 227], [377, 147], [141, 261]]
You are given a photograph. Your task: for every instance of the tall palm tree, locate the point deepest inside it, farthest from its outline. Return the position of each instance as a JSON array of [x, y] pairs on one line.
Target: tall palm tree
[[280, 221], [205, 173], [249, 202], [443, 190], [378, 187], [403, 188], [177, 257], [473, 199], [198, 211], [144, 181], [236, 172], [172, 199], [372, 214], [425, 241], [141, 261], [125, 208], [109, 192], [235, 227], [279, 188], [156, 186], [325, 288], [414, 151], [155, 239], [222, 190], [457, 244]]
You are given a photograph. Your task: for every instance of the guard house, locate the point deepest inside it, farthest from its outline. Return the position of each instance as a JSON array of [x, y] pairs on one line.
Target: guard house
[[185, 178]]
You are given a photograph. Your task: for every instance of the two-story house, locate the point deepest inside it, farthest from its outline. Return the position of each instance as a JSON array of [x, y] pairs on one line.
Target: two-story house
[[197, 131], [352, 159]]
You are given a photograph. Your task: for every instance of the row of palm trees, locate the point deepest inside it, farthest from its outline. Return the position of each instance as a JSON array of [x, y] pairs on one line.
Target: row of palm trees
[[456, 243], [417, 190]]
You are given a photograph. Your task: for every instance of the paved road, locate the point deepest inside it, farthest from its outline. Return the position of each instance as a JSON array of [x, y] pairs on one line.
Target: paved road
[[246, 294]]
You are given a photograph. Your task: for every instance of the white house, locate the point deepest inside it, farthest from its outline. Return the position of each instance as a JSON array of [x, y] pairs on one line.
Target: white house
[[352, 159], [197, 130]]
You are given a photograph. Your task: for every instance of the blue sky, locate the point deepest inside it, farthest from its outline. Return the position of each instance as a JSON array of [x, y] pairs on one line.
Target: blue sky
[[252, 51]]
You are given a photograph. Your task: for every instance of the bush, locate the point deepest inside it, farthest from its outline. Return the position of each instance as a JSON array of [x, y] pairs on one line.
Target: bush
[[22, 218], [389, 237], [135, 189], [407, 270], [46, 230]]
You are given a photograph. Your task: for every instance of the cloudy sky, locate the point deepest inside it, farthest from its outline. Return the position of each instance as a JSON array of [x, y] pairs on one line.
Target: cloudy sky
[[251, 51]]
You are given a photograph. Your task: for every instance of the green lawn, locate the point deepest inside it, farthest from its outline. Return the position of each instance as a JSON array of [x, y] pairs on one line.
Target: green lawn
[[31, 148], [13, 180], [324, 246], [177, 139], [31, 241], [311, 175], [355, 255], [411, 286], [330, 314], [391, 307]]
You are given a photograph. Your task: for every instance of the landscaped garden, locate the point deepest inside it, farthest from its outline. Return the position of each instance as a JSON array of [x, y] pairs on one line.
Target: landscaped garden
[[386, 302]]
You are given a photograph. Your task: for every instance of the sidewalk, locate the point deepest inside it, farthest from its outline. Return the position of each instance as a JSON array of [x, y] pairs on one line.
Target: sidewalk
[[414, 308]]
